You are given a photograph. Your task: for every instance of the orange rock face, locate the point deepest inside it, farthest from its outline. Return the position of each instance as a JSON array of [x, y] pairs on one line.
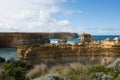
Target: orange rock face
[[64, 53]]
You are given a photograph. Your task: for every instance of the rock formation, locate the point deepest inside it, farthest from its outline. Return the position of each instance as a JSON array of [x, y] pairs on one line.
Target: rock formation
[[62, 41], [18, 39], [87, 51], [59, 35], [111, 42], [64, 53], [86, 37]]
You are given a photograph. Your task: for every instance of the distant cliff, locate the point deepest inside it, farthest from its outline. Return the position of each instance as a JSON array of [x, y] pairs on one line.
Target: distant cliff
[[59, 35], [64, 53], [18, 39]]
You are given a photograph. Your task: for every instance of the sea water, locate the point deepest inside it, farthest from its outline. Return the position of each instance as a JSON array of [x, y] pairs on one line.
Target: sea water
[[9, 53], [96, 37]]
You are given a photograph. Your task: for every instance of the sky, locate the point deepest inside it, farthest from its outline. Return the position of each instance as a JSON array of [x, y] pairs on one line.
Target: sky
[[89, 16]]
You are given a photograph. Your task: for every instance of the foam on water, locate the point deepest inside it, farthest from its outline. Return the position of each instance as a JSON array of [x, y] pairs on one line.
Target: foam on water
[[69, 41], [54, 41]]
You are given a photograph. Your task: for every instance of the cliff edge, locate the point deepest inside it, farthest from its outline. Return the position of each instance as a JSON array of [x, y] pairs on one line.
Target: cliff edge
[[64, 53]]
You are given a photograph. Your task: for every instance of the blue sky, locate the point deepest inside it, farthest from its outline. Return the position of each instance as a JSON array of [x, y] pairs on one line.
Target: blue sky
[[90, 16], [96, 16]]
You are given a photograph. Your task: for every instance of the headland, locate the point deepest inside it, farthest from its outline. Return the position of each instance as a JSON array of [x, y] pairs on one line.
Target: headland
[[87, 51], [16, 39]]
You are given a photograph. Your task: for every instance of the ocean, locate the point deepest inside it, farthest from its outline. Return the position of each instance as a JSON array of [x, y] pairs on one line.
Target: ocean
[[96, 37], [9, 53]]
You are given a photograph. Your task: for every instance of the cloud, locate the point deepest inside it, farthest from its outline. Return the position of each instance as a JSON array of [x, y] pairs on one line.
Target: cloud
[[32, 16], [69, 12]]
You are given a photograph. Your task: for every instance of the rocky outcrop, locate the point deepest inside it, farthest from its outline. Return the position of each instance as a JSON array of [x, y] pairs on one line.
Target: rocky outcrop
[[2, 60], [64, 53], [86, 37], [62, 41]]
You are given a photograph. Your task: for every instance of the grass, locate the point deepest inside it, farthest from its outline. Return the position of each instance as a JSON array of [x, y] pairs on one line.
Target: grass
[[38, 70], [72, 71]]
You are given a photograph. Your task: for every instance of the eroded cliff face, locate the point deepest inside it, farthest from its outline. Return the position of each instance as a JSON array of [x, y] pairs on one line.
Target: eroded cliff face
[[20, 39], [59, 35], [64, 53]]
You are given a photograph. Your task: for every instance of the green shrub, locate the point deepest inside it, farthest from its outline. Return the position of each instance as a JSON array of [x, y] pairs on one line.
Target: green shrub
[[118, 77], [101, 68], [14, 70]]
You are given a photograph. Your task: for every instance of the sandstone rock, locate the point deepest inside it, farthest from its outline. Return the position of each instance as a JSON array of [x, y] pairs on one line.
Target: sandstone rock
[[18, 39], [62, 41], [86, 37], [64, 53], [59, 35]]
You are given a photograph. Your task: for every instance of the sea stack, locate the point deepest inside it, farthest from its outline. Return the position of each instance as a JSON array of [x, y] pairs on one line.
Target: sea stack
[[86, 37]]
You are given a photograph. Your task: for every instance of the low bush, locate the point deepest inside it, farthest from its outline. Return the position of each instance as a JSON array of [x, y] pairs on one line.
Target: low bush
[[38, 70], [101, 68], [14, 70]]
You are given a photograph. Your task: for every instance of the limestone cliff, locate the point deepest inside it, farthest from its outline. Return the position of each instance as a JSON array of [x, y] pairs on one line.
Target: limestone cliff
[[62, 53], [18, 39], [59, 35]]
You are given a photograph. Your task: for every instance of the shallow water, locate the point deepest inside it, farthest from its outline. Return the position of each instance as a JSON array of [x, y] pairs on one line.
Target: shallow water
[[8, 53]]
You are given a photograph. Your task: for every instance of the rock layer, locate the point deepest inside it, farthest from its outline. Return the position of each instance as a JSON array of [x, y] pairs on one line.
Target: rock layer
[[64, 53], [18, 39], [60, 35]]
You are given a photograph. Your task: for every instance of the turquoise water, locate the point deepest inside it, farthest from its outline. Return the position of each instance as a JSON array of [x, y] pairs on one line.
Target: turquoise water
[[101, 37], [8, 53]]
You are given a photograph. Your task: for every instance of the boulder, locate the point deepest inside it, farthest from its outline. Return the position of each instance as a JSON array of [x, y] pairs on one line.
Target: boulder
[[86, 37], [62, 41], [2, 60], [103, 76]]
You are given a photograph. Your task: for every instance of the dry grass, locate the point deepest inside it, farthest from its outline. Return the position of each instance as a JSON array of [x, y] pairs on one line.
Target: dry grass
[[77, 68], [76, 71], [37, 71], [56, 69], [72, 71]]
